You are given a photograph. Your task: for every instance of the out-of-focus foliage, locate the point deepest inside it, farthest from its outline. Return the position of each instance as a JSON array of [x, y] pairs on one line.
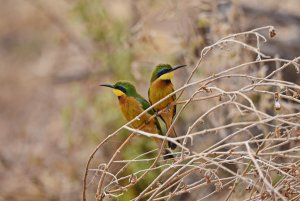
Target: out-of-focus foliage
[[109, 36]]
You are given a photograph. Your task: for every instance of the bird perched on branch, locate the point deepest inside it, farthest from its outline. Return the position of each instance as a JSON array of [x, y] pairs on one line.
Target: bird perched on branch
[[132, 104], [160, 87]]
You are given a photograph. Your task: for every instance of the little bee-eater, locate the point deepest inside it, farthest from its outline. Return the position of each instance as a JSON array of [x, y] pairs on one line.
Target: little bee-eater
[[132, 104], [160, 87]]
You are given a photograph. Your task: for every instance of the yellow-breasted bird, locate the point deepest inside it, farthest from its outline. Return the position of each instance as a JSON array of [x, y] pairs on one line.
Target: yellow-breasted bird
[[132, 104], [160, 87]]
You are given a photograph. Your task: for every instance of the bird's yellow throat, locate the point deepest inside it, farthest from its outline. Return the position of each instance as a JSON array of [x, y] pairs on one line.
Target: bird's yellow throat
[[167, 76], [118, 92]]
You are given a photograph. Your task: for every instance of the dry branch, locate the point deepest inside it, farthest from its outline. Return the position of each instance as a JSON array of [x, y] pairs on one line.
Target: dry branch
[[267, 161]]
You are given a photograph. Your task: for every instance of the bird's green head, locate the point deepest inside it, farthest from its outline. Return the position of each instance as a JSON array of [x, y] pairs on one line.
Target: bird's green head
[[164, 72], [122, 88]]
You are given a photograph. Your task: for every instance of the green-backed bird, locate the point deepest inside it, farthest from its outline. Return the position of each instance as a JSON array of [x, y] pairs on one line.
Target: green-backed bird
[[132, 104], [160, 87]]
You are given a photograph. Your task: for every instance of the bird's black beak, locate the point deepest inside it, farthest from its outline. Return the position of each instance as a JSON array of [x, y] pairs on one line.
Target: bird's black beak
[[177, 67], [108, 85]]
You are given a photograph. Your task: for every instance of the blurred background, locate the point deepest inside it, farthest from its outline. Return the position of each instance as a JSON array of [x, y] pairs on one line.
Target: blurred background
[[53, 56]]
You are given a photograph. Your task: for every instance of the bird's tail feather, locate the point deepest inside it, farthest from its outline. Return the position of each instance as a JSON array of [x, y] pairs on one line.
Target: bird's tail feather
[[167, 154], [173, 135]]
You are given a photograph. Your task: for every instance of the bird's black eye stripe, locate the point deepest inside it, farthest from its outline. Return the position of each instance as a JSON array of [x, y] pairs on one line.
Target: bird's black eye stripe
[[121, 88], [163, 71]]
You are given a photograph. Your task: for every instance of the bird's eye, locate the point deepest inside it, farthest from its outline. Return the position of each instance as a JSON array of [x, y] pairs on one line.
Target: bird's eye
[[163, 71], [121, 88]]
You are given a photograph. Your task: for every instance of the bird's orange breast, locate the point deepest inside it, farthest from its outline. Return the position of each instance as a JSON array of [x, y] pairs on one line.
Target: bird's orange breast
[[160, 89], [131, 108]]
